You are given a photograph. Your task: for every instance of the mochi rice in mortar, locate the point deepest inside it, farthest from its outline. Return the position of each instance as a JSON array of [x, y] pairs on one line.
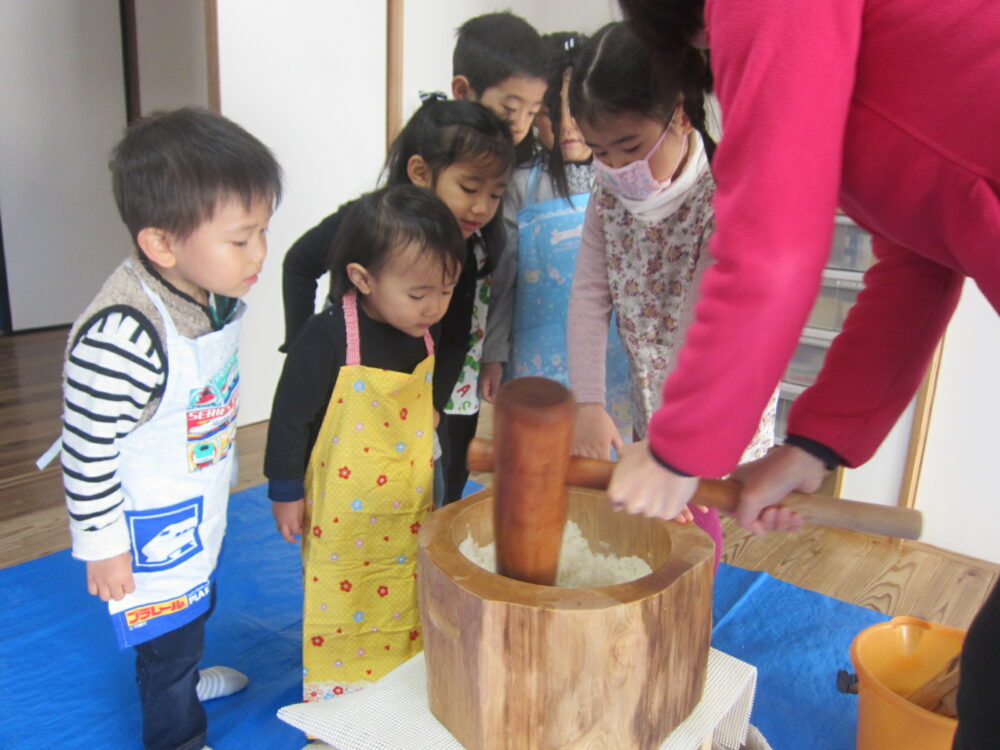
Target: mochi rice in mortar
[[579, 566]]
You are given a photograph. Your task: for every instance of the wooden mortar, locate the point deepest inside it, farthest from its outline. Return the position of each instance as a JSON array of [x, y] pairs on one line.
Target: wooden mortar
[[522, 666]]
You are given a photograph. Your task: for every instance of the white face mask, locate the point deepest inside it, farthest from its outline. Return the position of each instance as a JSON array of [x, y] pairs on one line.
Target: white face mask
[[635, 181]]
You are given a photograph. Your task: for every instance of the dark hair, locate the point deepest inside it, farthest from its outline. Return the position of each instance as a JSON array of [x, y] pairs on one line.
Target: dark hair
[[449, 132], [172, 169], [666, 27], [493, 47], [563, 47], [379, 222], [615, 74]]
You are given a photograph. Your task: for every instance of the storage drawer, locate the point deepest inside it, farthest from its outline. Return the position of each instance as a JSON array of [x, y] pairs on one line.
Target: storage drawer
[[781, 420], [838, 293], [786, 396], [808, 358], [852, 246]]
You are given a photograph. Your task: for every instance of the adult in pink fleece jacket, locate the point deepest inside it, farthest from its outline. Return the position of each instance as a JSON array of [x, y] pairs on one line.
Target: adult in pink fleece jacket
[[890, 109]]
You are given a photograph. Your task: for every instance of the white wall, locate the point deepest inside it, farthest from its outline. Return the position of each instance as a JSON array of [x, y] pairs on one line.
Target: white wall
[[958, 486], [170, 38], [428, 40], [63, 100], [880, 480], [307, 77], [585, 16]]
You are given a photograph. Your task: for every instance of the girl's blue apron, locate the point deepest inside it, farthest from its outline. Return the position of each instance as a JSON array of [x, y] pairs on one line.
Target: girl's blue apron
[[548, 243]]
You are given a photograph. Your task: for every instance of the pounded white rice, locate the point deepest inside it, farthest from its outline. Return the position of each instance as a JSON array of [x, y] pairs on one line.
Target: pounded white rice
[[579, 567]]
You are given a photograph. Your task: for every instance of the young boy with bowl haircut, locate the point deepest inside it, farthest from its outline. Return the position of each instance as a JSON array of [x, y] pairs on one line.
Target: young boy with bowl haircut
[[151, 391]]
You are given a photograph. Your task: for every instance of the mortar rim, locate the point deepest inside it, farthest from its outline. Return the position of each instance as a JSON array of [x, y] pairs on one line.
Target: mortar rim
[[436, 546]]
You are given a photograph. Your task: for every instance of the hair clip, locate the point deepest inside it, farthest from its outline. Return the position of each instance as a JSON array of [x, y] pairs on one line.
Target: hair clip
[[572, 47], [432, 96]]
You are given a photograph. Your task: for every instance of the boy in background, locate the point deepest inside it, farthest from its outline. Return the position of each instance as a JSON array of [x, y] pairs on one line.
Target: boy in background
[[500, 61], [151, 394]]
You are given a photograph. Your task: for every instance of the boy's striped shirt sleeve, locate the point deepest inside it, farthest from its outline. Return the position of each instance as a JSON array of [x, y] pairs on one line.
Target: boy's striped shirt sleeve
[[114, 369]]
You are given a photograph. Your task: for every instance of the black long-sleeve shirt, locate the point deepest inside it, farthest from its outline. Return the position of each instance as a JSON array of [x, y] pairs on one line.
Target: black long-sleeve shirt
[[306, 385], [307, 260]]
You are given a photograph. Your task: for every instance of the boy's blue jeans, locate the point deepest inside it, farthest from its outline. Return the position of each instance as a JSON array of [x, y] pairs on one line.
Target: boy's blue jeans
[[166, 669]]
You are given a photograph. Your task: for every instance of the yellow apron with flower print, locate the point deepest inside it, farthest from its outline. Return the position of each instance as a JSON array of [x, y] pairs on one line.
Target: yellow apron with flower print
[[368, 486]]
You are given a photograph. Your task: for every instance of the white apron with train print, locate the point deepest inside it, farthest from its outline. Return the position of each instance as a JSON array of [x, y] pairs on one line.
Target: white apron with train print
[[176, 471]]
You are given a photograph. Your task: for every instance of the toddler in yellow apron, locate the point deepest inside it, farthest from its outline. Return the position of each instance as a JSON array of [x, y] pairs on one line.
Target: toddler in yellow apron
[[368, 487], [368, 483]]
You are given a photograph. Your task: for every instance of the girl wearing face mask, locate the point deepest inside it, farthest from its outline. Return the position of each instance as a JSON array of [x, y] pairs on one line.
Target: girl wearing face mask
[[543, 213], [645, 235]]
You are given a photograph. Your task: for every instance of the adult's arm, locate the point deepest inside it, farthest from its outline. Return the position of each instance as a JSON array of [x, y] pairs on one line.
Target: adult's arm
[[589, 313], [784, 76], [305, 261], [877, 362]]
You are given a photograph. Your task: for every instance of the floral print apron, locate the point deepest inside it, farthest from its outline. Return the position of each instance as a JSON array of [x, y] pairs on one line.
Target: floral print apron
[[654, 268], [368, 487]]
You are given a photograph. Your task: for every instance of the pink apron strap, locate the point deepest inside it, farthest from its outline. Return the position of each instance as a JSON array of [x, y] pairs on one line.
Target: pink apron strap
[[350, 305]]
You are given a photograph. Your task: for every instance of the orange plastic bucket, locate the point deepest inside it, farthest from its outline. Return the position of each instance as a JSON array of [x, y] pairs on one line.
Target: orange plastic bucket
[[893, 659]]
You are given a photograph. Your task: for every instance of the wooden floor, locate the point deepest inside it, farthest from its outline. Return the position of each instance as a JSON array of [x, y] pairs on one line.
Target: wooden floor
[[32, 510], [886, 575]]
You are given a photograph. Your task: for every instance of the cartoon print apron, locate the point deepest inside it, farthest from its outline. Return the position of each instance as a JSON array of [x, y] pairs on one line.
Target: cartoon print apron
[[548, 243], [464, 397], [176, 471], [368, 487]]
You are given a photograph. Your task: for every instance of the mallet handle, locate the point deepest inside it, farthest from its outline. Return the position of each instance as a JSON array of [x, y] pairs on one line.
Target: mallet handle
[[723, 494]]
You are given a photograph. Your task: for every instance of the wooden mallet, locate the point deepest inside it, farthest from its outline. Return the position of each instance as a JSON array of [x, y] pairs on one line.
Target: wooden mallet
[[533, 433], [722, 494]]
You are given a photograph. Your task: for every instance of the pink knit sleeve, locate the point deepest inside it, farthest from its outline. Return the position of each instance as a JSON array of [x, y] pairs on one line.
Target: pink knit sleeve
[[893, 328], [589, 313], [784, 73]]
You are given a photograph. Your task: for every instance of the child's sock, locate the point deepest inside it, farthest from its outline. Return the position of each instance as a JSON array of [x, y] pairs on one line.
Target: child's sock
[[215, 682]]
